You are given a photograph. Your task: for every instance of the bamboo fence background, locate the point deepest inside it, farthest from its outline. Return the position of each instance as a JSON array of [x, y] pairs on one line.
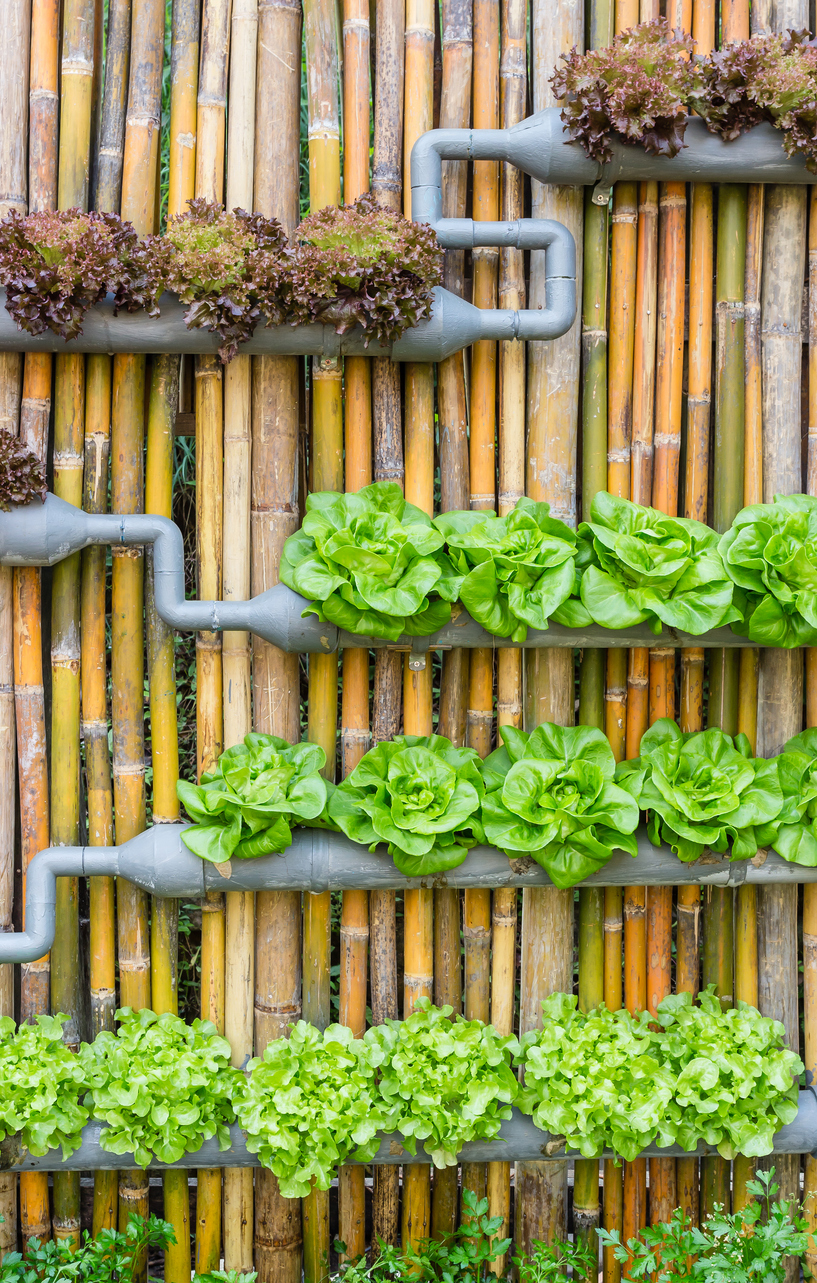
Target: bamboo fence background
[[685, 382]]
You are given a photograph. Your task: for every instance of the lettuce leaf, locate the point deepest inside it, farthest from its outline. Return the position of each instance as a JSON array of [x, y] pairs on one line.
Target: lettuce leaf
[[770, 553]]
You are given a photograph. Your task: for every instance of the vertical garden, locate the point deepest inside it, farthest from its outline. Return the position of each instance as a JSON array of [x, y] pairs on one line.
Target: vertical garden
[[408, 621]]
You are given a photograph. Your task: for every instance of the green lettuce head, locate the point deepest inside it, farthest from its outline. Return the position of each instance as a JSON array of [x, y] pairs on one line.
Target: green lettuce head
[[550, 794], [371, 563], [702, 790], [417, 793], [796, 838], [516, 571], [770, 552], [245, 807], [638, 565]]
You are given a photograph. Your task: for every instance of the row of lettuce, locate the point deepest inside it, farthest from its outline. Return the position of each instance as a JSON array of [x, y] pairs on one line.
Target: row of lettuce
[[375, 565], [555, 794], [359, 264], [603, 1080], [644, 86]]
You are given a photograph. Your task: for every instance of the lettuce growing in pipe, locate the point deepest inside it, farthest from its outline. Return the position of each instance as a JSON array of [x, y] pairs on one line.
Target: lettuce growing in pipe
[[246, 806], [770, 552], [365, 265], [551, 794], [42, 1085], [637, 565], [21, 473], [310, 1104], [632, 91], [57, 265], [371, 563], [702, 790], [516, 571], [441, 1081], [417, 793], [796, 838]]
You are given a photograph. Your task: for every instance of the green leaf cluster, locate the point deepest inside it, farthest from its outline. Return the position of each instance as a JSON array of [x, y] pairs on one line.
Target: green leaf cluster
[[638, 565], [608, 1080], [162, 1086], [41, 1086], [246, 806], [745, 1247], [796, 837], [443, 1082], [770, 553], [113, 1256], [551, 794], [310, 1103], [515, 572], [371, 563], [702, 790], [417, 793]]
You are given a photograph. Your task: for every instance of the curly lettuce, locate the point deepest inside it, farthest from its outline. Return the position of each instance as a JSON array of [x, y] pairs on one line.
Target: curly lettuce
[[417, 793], [371, 563], [246, 806], [42, 1085], [516, 571], [770, 553], [637, 565], [704, 790], [551, 794]]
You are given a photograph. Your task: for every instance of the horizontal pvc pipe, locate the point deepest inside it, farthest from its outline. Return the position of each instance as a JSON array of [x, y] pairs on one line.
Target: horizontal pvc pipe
[[519, 1140], [454, 324], [159, 862], [42, 534], [541, 147]]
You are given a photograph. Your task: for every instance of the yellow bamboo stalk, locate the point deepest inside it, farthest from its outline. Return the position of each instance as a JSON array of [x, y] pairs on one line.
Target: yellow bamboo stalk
[[212, 100], [43, 105], [184, 77]]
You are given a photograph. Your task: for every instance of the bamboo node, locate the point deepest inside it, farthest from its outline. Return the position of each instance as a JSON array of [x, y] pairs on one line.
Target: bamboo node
[[123, 769], [667, 441], [476, 933], [671, 202], [615, 694], [353, 933], [357, 24], [131, 554]]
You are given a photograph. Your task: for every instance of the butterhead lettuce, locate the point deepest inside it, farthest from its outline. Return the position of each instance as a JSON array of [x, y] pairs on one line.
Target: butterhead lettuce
[[770, 553]]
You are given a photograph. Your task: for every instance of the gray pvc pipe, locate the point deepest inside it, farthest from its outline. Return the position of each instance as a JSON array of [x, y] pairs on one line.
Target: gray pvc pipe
[[454, 324], [541, 147], [42, 534], [519, 1140], [159, 862]]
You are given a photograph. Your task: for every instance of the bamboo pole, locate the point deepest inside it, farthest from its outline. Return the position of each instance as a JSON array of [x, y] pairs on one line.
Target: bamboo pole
[[780, 683], [236, 665], [274, 516], [43, 105], [553, 370], [211, 114], [809, 899], [184, 76], [107, 186]]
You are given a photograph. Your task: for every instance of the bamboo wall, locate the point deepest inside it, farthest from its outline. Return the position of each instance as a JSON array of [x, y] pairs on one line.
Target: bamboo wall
[[686, 383]]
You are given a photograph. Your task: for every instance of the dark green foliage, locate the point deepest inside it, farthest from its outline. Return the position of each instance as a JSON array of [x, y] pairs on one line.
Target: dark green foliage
[[56, 265], [21, 473], [634, 91], [112, 1257], [366, 265]]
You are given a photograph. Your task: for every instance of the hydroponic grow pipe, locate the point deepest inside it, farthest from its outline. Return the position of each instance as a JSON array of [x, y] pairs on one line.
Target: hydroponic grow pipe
[[454, 323], [159, 862], [42, 534], [541, 147], [519, 1140]]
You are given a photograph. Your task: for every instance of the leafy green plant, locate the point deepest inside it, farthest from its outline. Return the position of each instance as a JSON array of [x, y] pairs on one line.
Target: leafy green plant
[[41, 1086], [516, 571], [460, 1257], [770, 553], [366, 265], [551, 794], [223, 1276], [113, 1256], [735, 1082], [56, 265], [556, 1262], [370, 563], [770, 77], [230, 268], [309, 1104], [594, 1078], [638, 565], [21, 473], [704, 790], [751, 1244], [246, 806], [163, 1087], [417, 793], [633, 91], [443, 1082], [796, 837]]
